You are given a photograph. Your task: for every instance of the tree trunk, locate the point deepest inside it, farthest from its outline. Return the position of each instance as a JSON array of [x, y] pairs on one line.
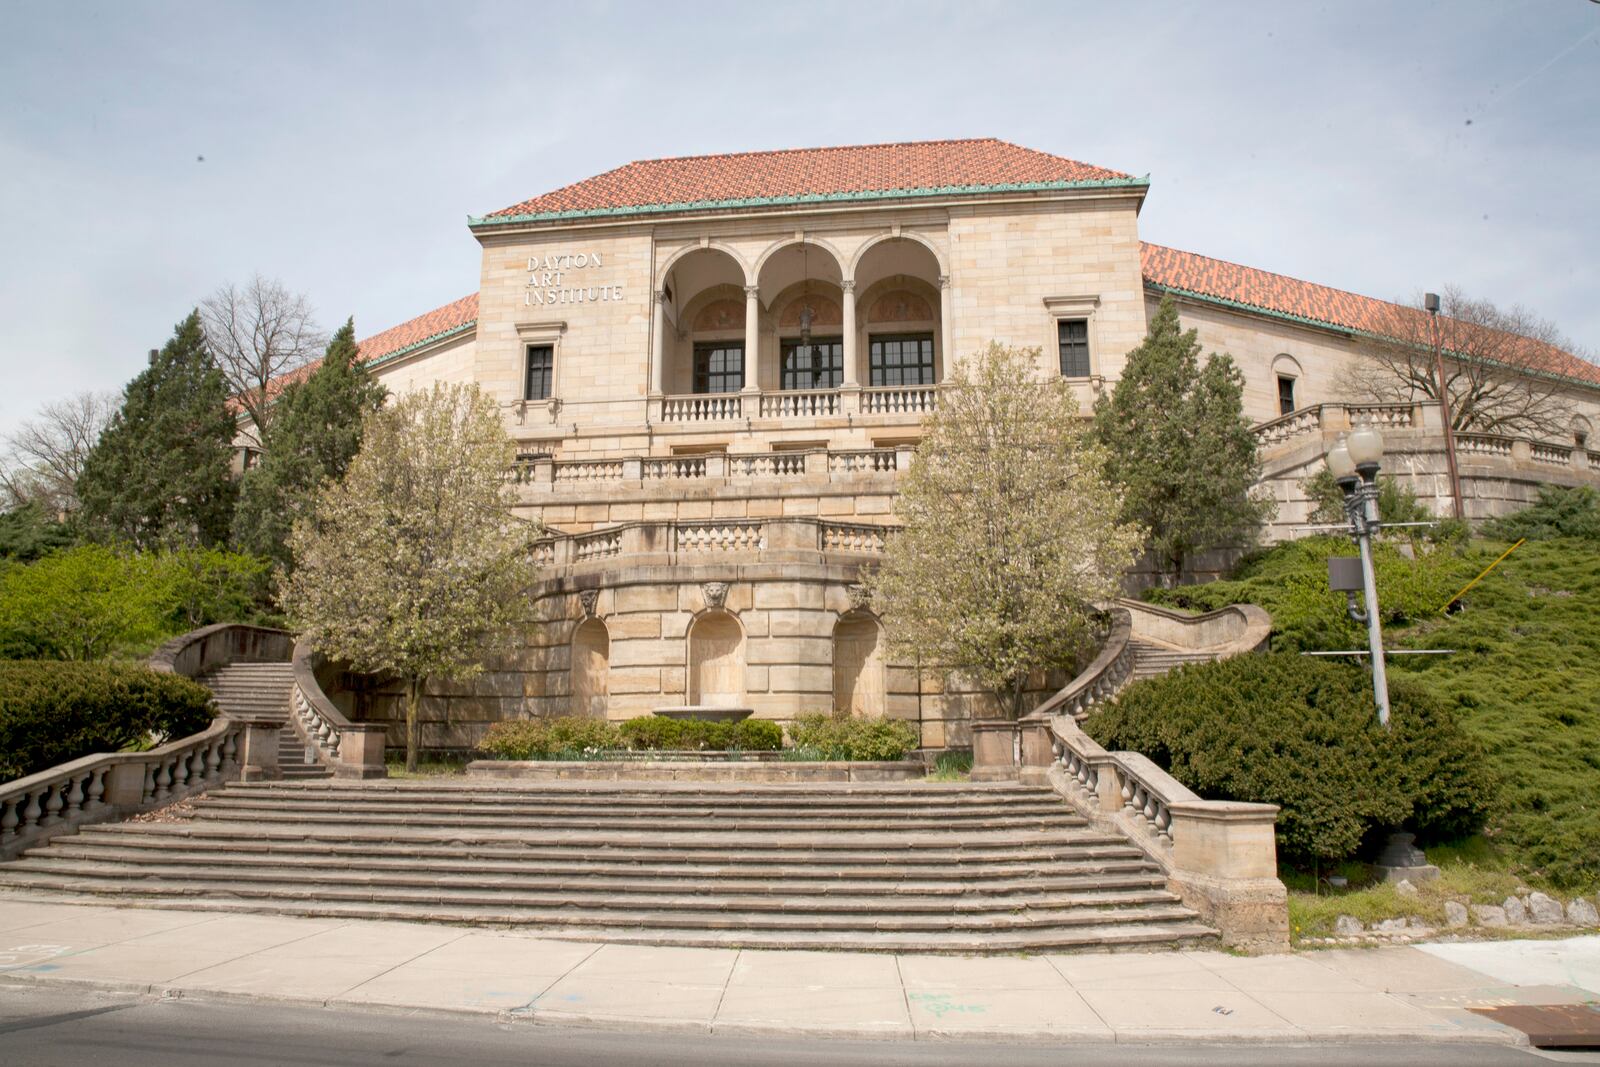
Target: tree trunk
[[413, 720]]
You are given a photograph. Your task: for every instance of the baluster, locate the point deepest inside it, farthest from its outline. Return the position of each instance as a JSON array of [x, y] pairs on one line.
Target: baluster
[[75, 795], [180, 772], [31, 812], [163, 781], [334, 738], [52, 804], [213, 759], [148, 792], [9, 819], [1163, 822], [97, 790], [230, 751]]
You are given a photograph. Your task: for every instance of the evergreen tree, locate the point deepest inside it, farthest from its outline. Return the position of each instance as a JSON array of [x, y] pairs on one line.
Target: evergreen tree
[[1181, 447], [159, 475], [314, 434]]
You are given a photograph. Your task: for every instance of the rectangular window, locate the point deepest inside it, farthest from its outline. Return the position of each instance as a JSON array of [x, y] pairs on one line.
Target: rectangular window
[[902, 359], [541, 372], [1072, 338], [719, 367], [1285, 394], [818, 365]]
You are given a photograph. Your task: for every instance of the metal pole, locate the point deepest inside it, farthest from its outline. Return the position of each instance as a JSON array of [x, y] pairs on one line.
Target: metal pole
[[1369, 578], [1431, 302]]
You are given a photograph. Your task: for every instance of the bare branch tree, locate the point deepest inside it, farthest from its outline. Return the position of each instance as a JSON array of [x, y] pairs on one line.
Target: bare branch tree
[[1506, 370], [257, 334], [44, 456]]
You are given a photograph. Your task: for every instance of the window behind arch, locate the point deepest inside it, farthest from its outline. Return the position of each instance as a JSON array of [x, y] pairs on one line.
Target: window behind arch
[[719, 367], [901, 359]]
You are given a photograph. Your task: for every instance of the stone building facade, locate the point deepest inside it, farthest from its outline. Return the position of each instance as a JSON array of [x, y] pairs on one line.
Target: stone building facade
[[716, 369]]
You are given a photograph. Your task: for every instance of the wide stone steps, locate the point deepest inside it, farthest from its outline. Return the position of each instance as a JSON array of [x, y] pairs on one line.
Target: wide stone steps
[[1151, 660], [884, 866]]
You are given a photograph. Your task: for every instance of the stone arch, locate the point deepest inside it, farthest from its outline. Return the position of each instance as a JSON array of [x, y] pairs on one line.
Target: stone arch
[[591, 668], [1285, 364], [858, 674], [825, 309], [837, 258], [686, 251], [716, 660], [903, 235]]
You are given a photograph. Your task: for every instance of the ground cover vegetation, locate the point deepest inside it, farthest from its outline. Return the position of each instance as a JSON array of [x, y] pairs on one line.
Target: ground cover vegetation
[[1523, 678], [1011, 531], [1178, 445], [52, 712]]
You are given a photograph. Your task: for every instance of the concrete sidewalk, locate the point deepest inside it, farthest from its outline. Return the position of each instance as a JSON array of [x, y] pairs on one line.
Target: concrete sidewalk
[[1385, 994]]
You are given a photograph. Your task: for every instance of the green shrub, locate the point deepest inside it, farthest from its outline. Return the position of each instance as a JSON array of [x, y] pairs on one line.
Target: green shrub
[[1559, 512], [841, 737], [650, 733], [1302, 733], [52, 712], [567, 736], [757, 735]]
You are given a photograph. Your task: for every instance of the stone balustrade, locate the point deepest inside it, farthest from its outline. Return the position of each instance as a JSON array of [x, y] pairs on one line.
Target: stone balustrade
[[1301, 426], [1105, 676], [798, 404], [820, 466], [684, 541], [1220, 857], [1227, 631], [108, 786], [702, 407], [899, 400], [350, 749]]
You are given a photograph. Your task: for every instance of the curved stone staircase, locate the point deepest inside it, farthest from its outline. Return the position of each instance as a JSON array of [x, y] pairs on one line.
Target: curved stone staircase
[[263, 689], [1152, 658]]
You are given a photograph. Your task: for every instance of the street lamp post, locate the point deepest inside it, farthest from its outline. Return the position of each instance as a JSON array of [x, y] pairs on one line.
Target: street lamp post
[[1430, 301], [1354, 462]]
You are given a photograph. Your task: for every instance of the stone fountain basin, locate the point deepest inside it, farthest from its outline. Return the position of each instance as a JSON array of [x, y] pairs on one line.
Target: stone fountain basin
[[706, 712]]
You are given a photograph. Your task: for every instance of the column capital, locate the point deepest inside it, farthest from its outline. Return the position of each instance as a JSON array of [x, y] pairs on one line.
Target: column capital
[[751, 292], [848, 285], [661, 296], [944, 281]]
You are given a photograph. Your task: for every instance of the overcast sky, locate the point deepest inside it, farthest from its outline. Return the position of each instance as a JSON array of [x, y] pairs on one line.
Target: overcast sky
[[150, 152]]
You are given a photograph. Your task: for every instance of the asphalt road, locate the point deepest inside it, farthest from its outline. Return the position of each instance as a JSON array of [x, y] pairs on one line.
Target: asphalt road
[[50, 1026]]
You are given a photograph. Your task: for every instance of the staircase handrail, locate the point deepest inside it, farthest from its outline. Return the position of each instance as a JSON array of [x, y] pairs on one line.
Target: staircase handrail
[[113, 785], [352, 749], [1219, 856], [1106, 674], [198, 651], [1226, 631]]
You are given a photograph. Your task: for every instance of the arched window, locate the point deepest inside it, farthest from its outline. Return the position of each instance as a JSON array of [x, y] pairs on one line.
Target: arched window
[[591, 662], [716, 661], [1286, 373]]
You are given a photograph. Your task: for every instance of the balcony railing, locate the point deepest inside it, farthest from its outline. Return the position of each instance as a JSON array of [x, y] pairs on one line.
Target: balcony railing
[[541, 473], [794, 540], [900, 400]]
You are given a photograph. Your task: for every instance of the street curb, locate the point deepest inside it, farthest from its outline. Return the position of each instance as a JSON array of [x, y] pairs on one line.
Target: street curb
[[1500, 1036]]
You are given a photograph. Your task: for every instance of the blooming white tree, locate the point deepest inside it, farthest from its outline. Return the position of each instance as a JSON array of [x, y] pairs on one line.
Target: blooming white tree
[[413, 564], [1011, 533]]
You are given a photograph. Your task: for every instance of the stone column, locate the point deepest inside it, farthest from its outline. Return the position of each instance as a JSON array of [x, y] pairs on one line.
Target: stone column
[[658, 355], [850, 384], [945, 354], [752, 337]]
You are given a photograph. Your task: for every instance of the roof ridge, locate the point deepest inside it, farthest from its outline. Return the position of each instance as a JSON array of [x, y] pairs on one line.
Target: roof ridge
[[822, 148], [1263, 270]]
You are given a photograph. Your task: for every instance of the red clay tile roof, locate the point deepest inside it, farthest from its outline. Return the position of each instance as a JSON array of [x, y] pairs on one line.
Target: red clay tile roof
[[856, 171], [1285, 297], [453, 317]]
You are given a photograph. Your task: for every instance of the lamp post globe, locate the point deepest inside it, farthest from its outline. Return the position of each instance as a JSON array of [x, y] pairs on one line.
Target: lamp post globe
[[1340, 463], [1365, 445]]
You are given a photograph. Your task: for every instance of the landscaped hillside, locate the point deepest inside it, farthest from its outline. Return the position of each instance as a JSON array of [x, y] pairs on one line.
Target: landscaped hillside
[[1524, 676]]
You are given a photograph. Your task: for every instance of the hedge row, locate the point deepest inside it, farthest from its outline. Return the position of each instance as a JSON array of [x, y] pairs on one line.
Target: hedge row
[[833, 737], [1302, 733], [53, 712], [578, 737]]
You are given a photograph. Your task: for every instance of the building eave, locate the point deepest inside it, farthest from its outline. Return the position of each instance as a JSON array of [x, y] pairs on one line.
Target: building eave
[[490, 222]]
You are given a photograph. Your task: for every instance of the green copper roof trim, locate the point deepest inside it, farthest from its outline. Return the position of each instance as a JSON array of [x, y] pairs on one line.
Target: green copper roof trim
[[807, 198], [1306, 320], [414, 345]]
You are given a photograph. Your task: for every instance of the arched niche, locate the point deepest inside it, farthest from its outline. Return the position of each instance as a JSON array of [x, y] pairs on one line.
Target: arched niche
[[858, 678], [591, 667], [716, 660]]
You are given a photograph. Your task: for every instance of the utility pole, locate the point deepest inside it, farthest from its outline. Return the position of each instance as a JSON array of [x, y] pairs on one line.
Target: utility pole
[[1430, 301]]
